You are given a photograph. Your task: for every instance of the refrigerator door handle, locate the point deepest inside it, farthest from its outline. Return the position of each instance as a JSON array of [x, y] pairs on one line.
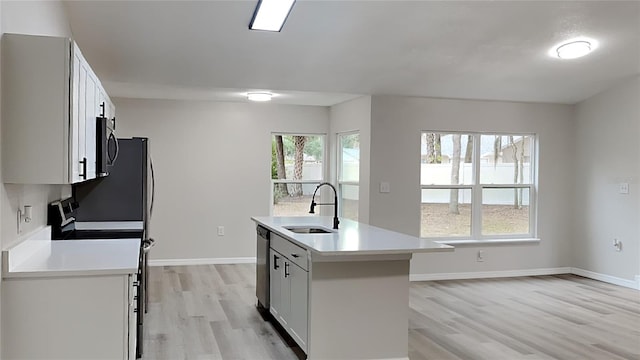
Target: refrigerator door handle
[[153, 188]]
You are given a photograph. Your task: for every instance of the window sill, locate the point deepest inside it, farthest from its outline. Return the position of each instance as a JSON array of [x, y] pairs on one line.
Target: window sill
[[489, 242]]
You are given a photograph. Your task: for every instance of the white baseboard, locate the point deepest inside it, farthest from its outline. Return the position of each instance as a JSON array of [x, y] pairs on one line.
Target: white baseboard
[[608, 278], [489, 274], [529, 272], [202, 261], [633, 284]]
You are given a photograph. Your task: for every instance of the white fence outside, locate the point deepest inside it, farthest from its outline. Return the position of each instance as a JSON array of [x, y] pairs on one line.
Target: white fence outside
[[440, 174], [310, 171]]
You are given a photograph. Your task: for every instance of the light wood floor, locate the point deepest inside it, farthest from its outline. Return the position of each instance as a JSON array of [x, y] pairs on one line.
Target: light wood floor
[[208, 312]]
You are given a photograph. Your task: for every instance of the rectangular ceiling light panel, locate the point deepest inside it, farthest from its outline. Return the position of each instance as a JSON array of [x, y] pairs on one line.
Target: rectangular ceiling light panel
[[270, 15]]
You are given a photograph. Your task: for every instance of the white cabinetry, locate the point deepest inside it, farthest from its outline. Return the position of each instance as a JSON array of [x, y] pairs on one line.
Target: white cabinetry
[[71, 317], [289, 288], [50, 101]]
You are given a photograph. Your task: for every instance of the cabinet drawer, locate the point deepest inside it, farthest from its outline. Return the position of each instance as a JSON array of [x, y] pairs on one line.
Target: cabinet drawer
[[291, 251]]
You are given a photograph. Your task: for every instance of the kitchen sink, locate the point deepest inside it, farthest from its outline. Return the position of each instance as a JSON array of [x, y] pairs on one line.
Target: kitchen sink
[[308, 230]]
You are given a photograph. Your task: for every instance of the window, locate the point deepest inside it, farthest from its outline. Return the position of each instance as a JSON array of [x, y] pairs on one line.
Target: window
[[477, 186], [296, 169], [349, 174]]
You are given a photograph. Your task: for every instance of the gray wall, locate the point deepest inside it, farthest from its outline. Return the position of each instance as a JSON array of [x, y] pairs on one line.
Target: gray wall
[[212, 162], [354, 115], [607, 134], [36, 18], [396, 123]]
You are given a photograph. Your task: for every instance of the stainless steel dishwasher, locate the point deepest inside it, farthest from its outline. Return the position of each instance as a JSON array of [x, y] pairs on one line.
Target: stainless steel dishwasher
[[262, 268]]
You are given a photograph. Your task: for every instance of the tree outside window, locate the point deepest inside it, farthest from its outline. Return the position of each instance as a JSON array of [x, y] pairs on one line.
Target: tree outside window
[[476, 186], [296, 169]]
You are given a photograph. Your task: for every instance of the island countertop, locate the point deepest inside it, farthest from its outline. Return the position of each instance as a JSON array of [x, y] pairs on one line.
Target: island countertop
[[352, 238]]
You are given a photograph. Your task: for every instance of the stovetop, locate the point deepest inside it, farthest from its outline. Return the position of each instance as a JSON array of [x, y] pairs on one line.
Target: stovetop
[[100, 234]]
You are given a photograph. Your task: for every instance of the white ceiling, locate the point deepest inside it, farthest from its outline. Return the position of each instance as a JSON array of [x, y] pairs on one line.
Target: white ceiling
[[329, 51]]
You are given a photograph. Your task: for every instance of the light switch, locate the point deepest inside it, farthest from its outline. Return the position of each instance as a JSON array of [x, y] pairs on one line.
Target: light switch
[[624, 188], [385, 187]]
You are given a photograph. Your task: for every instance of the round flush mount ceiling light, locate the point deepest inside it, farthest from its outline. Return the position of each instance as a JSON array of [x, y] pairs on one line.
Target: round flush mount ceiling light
[[573, 49], [259, 96]]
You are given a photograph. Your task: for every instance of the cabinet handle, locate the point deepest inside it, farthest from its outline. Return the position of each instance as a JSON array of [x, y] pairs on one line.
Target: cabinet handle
[[84, 168], [275, 262], [136, 283], [286, 269], [295, 255], [102, 106]]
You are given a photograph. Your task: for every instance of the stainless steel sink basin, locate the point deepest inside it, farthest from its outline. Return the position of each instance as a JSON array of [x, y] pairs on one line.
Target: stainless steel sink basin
[[308, 230]]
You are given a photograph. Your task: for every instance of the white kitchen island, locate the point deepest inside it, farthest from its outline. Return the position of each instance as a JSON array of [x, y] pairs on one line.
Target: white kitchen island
[[343, 294]]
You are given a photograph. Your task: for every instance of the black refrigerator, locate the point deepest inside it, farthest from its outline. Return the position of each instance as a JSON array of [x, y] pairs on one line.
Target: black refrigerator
[[121, 202]]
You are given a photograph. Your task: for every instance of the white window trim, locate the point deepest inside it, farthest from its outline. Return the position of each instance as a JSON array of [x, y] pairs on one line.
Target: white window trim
[[476, 188], [339, 180]]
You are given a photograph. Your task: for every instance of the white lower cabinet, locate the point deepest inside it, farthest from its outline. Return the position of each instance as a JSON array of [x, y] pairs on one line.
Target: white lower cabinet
[[74, 317], [299, 280], [289, 286], [132, 328]]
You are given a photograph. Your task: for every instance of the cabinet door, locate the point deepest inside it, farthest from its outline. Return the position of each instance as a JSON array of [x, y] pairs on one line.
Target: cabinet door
[[81, 146], [91, 113], [105, 106], [76, 150], [299, 280], [285, 293], [112, 110], [275, 280], [133, 322]]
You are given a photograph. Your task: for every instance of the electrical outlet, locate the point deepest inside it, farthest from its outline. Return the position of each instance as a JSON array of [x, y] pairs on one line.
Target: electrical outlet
[[385, 187], [220, 230], [480, 256], [624, 188], [617, 244]]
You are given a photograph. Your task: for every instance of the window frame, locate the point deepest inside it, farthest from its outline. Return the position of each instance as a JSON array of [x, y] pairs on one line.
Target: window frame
[[339, 169], [325, 156], [477, 188]]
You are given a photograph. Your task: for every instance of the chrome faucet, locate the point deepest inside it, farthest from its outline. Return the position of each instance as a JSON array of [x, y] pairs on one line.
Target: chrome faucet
[[335, 204]]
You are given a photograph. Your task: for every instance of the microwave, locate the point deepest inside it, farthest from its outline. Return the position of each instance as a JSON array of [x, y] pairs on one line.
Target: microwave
[[106, 145]]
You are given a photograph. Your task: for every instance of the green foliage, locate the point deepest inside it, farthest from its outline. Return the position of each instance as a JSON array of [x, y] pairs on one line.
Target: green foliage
[[313, 146], [351, 141]]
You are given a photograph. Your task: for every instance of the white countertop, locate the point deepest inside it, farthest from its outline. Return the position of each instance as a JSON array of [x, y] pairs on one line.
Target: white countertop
[[352, 238], [72, 258]]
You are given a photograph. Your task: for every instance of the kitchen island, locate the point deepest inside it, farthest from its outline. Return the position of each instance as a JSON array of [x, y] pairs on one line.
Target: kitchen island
[[341, 294]]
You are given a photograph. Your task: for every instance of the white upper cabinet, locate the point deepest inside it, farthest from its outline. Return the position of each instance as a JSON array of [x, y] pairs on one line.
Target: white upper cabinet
[[51, 100]]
